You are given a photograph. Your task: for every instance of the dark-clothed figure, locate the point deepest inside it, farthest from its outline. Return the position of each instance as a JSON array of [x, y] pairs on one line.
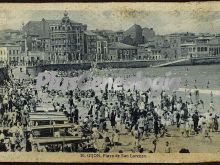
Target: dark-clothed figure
[[195, 121]]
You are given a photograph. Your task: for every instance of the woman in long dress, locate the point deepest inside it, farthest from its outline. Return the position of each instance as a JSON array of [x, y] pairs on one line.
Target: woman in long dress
[[112, 119]]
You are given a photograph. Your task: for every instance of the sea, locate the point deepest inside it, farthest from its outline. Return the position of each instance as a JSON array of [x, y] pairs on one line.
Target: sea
[[206, 78]]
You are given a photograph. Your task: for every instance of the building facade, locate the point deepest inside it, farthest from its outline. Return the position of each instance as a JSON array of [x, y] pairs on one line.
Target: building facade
[[188, 50], [214, 47], [119, 52], [119, 36], [135, 32], [96, 47], [3, 55], [90, 45], [10, 54], [176, 39], [66, 40], [62, 40], [102, 48], [202, 46], [148, 34]]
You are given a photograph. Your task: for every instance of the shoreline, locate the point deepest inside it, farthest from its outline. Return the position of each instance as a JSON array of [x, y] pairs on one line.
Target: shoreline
[[202, 91]]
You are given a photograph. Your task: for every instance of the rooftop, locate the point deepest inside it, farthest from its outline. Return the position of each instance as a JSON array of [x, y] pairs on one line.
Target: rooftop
[[9, 45], [41, 28], [119, 45], [188, 44], [100, 37], [88, 32]]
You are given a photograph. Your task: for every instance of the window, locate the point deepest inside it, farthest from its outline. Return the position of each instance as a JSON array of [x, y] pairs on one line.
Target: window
[[9, 51], [105, 43], [198, 49], [99, 44], [105, 50], [205, 48], [17, 51]]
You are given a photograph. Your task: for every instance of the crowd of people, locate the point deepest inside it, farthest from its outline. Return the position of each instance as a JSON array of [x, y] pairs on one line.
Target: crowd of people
[[108, 115]]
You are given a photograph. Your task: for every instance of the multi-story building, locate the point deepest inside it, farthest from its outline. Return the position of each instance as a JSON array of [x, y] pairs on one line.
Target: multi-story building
[[62, 40], [10, 54], [10, 36], [119, 52], [188, 50], [214, 47], [149, 52], [67, 40], [96, 47], [102, 48], [3, 55], [36, 36], [156, 48], [176, 39], [90, 45], [148, 34], [143, 52], [158, 41], [135, 32], [202, 46], [155, 54], [110, 36], [119, 36]]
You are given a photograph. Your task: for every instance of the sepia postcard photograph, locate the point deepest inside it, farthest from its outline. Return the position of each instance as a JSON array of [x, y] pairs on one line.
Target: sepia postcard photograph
[[110, 82]]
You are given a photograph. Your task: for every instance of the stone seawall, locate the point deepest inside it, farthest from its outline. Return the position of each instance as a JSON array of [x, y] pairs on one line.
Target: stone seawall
[[86, 66], [193, 61], [129, 64], [121, 64], [199, 61], [206, 61], [34, 70]]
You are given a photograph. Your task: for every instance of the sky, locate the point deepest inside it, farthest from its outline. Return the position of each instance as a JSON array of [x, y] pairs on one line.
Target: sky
[[163, 22]]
